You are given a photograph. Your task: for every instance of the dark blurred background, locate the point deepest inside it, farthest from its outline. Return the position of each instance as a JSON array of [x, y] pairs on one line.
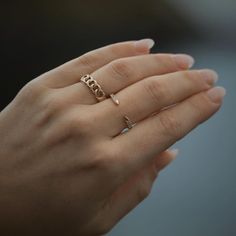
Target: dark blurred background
[[196, 194]]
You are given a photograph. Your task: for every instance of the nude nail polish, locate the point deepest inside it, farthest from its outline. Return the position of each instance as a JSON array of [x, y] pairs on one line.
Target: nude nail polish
[[216, 94], [183, 61], [174, 152], [144, 45], [210, 76]]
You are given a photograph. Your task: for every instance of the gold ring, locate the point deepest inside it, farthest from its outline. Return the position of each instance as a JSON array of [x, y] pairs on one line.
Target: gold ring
[[114, 99], [127, 120], [129, 124], [94, 87]]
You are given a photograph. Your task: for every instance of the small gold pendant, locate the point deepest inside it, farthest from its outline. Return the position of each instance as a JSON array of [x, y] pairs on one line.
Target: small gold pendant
[[114, 99]]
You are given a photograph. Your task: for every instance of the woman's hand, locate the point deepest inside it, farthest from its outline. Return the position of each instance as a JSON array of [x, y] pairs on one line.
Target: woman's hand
[[66, 168]]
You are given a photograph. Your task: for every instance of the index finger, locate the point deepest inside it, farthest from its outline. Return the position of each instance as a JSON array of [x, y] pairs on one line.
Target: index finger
[[71, 72]]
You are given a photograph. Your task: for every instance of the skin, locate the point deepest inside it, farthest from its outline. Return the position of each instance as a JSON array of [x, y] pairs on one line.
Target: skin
[[65, 167]]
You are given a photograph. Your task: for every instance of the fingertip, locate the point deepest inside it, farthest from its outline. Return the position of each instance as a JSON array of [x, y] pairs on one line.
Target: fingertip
[[144, 45], [184, 61], [174, 152], [216, 94], [166, 158]]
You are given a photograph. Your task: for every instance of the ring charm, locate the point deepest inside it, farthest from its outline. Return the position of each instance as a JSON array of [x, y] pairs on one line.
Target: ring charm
[[127, 120], [114, 99], [94, 87], [129, 124]]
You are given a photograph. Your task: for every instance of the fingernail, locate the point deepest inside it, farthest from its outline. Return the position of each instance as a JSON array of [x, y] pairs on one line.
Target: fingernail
[[174, 152], [216, 94], [144, 45], [210, 76], [183, 61]]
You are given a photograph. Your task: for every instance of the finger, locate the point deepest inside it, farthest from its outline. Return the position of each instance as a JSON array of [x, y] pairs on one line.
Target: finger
[[153, 94], [138, 187], [123, 72], [155, 134], [165, 158], [72, 71]]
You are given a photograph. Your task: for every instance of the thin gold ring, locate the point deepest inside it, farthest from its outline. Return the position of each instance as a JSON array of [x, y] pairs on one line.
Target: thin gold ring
[[127, 120], [115, 99], [94, 87]]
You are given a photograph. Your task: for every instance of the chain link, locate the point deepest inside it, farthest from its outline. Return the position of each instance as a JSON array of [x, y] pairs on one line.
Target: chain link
[[94, 87]]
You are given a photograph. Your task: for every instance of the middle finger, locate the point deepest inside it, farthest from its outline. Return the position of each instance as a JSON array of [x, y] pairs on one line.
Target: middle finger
[[149, 96]]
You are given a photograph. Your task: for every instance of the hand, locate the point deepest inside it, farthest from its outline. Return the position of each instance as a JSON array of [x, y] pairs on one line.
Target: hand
[[65, 167]]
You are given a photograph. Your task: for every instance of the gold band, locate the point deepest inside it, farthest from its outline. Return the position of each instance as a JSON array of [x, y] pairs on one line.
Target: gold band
[[128, 122], [114, 99], [94, 87]]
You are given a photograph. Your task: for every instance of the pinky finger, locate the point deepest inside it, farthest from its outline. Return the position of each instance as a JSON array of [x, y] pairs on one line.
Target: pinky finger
[[133, 192], [165, 158]]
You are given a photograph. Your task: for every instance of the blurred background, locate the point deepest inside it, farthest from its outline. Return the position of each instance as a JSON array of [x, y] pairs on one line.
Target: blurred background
[[196, 194]]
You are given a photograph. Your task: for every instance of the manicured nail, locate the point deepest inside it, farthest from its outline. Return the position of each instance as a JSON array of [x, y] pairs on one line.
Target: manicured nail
[[216, 94], [210, 76], [183, 61], [174, 152], [144, 45]]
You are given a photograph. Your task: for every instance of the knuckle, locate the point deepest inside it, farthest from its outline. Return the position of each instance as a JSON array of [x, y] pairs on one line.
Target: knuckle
[[191, 75], [198, 105], [197, 78], [187, 74], [105, 161], [31, 91], [106, 164], [195, 105], [155, 89], [81, 121], [79, 125], [121, 68], [65, 130], [197, 83], [54, 104], [67, 127], [115, 48], [166, 61], [171, 126], [86, 60], [121, 49]]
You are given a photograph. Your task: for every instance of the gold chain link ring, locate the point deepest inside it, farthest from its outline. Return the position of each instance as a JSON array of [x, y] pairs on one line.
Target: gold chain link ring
[[94, 87]]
